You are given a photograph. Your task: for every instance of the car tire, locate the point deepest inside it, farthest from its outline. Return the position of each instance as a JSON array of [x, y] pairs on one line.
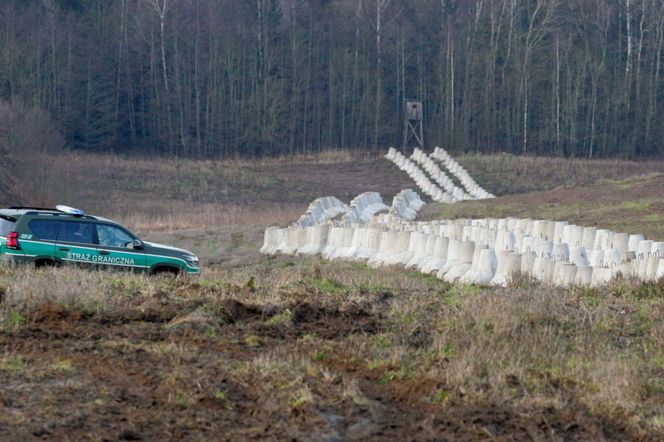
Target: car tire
[[165, 273]]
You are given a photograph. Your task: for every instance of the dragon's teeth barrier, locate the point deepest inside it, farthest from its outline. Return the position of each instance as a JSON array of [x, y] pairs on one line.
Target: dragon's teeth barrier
[[442, 189], [472, 251], [480, 251]]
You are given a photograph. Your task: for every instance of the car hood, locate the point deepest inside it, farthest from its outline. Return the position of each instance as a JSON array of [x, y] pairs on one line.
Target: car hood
[[162, 249]]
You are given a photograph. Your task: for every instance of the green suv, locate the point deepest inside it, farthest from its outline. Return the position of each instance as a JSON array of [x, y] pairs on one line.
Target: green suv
[[66, 235]]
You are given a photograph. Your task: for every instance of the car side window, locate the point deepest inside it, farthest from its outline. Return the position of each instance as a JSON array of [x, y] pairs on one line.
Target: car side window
[[78, 232], [6, 226], [111, 236], [45, 229]]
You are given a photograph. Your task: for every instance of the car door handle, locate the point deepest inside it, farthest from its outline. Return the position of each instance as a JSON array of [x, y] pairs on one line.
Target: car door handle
[[64, 249], [104, 252]]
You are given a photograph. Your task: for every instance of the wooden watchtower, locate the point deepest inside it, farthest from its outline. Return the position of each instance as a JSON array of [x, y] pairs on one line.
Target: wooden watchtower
[[413, 127]]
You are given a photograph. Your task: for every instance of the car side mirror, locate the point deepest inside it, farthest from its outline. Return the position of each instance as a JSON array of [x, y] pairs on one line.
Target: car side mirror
[[138, 244]]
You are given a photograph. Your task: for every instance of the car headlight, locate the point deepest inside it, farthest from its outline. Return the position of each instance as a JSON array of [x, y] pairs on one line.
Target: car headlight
[[191, 260]]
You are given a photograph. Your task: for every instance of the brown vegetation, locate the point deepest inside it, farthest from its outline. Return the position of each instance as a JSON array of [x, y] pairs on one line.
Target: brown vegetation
[[278, 347], [318, 349], [633, 205]]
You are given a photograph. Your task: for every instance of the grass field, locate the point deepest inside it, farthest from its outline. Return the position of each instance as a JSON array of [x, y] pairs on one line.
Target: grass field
[[301, 348], [632, 205]]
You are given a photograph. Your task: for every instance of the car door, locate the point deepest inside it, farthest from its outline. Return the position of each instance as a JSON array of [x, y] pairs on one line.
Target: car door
[[76, 243], [116, 248]]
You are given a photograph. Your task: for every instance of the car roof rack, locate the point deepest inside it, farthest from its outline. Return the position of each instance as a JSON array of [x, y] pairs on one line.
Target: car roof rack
[[32, 208], [58, 213]]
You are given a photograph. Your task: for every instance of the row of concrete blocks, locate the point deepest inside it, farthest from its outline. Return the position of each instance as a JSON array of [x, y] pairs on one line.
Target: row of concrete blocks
[[322, 209], [405, 205], [363, 209], [471, 186], [456, 193], [478, 251], [420, 178]]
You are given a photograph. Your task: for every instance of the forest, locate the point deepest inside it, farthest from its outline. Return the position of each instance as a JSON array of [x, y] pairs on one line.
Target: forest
[[244, 78]]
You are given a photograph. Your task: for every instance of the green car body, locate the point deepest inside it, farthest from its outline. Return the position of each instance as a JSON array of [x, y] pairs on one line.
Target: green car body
[[55, 236]]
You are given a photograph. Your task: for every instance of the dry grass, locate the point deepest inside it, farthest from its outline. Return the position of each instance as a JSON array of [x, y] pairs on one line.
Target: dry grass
[[527, 346], [633, 205], [506, 174], [159, 194]]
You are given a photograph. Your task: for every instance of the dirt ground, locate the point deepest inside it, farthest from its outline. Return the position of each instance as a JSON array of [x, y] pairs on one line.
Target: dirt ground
[[152, 372]]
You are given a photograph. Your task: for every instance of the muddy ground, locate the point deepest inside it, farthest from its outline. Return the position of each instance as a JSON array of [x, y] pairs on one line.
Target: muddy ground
[[175, 367]]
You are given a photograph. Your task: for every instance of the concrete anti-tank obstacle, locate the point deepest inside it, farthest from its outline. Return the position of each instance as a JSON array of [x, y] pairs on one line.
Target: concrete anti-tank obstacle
[[346, 243], [539, 228], [406, 204], [429, 253], [559, 231], [642, 256], [621, 241], [564, 274], [603, 239], [658, 249], [322, 209], [543, 247], [505, 241], [601, 276], [482, 269], [439, 258], [560, 252], [527, 262], [509, 263], [525, 244], [359, 233], [370, 244], [458, 250], [589, 234], [660, 269], [388, 240], [335, 238], [364, 207], [573, 235], [611, 258], [460, 260], [316, 239], [596, 258], [270, 241], [416, 249], [651, 268], [454, 193], [284, 237], [416, 174], [399, 256], [543, 270], [472, 188], [634, 241], [584, 276], [297, 238], [628, 265], [578, 256]]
